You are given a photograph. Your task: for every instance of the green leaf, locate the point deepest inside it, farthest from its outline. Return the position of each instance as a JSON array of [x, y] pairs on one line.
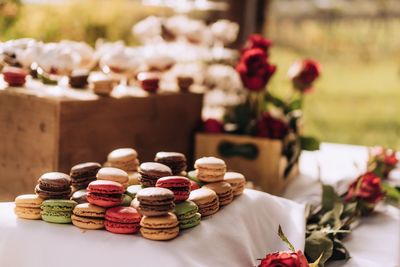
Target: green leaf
[[295, 104], [316, 263], [392, 194], [350, 209], [329, 197], [340, 252], [276, 101], [284, 239], [318, 244], [309, 143], [332, 217]]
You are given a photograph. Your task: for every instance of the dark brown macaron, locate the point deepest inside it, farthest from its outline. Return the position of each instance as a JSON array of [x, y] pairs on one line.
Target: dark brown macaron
[[79, 79], [150, 172], [184, 82], [54, 185], [174, 160], [84, 173], [80, 196], [149, 81], [154, 201]]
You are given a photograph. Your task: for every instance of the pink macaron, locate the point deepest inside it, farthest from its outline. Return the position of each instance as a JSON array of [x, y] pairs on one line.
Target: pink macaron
[[122, 220], [178, 184], [105, 193]]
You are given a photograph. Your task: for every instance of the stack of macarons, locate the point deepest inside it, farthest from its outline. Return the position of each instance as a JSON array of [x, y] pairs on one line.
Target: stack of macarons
[[14, 76], [165, 201]]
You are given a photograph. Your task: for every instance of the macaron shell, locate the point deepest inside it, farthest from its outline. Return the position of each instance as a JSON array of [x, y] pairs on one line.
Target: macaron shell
[[160, 222], [56, 216], [104, 201], [190, 222], [58, 205], [28, 201], [87, 223], [89, 210], [155, 196], [121, 228], [210, 176], [155, 210], [113, 174], [54, 181], [53, 194], [185, 209], [28, 213], [105, 187], [159, 234], [123, 215]]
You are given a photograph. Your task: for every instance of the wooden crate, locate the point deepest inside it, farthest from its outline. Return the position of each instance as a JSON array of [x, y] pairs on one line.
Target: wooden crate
[[266, 170], [39, 133]]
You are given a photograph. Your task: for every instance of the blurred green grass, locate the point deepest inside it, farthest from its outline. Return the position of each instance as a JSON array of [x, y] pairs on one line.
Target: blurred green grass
[[354, 102]]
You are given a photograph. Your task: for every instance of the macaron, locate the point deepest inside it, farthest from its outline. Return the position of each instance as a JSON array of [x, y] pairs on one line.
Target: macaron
[[132, 190], [54, 185], [178, 184], [122, 220], [187, 213], [105, 193], [206, 199], [113, 174], [80, 196], [210, 169], [79, 78], [160, 227], [223, 190], [14, 76], [28, 206], [57, 210], [237, 181], [126, 200], [155, 201], [192, 176], [149, 81], [88, 216], [133, 178], [193, 185], [84, 173], [174, 160], [123, 158], [150, 172]]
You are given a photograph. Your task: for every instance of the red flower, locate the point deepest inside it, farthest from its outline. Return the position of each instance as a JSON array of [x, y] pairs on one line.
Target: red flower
[[382, 161], [254, 69], [366, 188], [304, 73], [270, 127], [213, 126], [284, 259], [257, 41]]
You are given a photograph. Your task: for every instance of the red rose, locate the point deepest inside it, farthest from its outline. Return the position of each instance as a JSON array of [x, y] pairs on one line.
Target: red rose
[[304, 73], [366, 188], [270, 127], [382, 161], [284, 259], [254, 69], [213, 126], [257, 41]]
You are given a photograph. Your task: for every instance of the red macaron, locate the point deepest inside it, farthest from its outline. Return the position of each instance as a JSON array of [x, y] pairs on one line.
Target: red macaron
[[178, 184], [122, 220], [14, 76], [193, 185], [105, 193]]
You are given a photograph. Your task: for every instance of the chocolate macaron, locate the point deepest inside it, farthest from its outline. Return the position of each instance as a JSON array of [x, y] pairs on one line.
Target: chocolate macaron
[[163, 227], [105, 193], [210, 169], [155, 201], [174, 160], [223, 190], [80, 196], [206, 199], [88, 216], [237, 181], [178, 184], [150, 172], [84, 173], [54, 185]]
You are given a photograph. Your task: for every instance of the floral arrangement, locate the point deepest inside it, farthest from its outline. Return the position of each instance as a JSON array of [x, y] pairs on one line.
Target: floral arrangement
[[263, 114], [330, 222]]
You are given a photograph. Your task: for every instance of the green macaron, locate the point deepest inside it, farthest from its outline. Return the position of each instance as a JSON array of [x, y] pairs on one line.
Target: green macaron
[[187, 213], [126, 200], [133, 189], [57, 210], [192, 176]]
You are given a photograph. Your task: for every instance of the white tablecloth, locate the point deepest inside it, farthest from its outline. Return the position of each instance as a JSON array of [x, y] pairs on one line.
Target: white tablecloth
[[374, 242], [236, 236]]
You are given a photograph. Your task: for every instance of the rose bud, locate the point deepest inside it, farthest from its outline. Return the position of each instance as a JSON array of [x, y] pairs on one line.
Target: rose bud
[[303, 74], [257, 41], [284, 259], [254, 69], [382, 161], [270, 127], [213, 126], [367, 191]]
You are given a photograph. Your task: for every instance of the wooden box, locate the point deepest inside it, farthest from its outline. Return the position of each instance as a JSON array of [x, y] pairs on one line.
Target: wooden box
[[40, 133], [266, 170]]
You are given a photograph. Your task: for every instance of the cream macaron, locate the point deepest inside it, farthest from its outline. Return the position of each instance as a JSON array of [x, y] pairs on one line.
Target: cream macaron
[[113, 174], [210, 169]]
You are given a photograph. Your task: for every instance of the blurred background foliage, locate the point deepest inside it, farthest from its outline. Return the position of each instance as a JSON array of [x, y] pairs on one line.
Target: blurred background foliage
[[357, 41]]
